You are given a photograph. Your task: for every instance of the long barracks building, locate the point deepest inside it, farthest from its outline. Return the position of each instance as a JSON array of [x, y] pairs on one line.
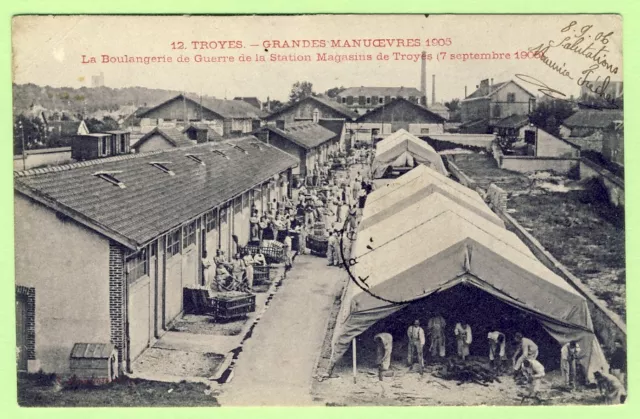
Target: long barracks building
[[105, 247]]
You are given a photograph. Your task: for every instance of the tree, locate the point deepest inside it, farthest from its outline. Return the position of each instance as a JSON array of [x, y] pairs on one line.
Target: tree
[[453, 105], [300, 90], [107, 124], [275, 105], [33, 130], [549, 114], [335, 91]]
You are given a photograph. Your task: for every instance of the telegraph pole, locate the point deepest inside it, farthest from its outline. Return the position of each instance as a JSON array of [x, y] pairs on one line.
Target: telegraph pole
[[24, 152]]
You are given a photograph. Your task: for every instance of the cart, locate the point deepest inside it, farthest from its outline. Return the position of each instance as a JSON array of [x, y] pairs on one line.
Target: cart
[[317, 245]]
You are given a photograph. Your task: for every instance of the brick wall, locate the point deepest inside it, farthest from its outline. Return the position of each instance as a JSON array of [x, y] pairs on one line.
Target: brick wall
[[30, 327], [117, 302]]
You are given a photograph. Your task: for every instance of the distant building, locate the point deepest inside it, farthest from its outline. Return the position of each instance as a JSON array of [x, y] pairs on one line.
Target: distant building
[[363, 99], [398, 114], [586, 127], [309, 142], [611, 90], [66, 130], [251, 100], [312, 108], [539, 142], [230, 117], [161, 139], [97, 80], [493, 102], [201, 133], [100, 145]]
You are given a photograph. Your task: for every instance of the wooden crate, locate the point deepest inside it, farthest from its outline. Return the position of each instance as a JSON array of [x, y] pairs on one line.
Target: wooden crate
[[233, 305]]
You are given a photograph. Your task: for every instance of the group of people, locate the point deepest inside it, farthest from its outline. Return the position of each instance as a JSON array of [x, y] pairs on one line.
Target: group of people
[[524, 360], [221, 274]]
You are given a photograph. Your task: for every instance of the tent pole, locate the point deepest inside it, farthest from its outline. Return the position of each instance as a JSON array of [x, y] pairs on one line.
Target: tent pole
[[353, 345]]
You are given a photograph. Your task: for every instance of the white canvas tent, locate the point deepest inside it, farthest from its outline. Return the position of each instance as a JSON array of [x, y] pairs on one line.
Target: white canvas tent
[[409, 260], [402, 149], [414, 186]]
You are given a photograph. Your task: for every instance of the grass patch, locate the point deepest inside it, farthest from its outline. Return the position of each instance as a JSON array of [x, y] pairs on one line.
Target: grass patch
[[34, 391]]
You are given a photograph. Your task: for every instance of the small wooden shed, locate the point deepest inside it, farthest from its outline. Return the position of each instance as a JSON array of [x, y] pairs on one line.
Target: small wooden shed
[[94, 361]]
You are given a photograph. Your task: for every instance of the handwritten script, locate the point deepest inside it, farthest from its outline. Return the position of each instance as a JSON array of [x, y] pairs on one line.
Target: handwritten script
[[592, 47]]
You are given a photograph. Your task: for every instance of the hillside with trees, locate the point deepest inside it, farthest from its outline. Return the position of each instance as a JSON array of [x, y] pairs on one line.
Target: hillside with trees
[[84, 100]]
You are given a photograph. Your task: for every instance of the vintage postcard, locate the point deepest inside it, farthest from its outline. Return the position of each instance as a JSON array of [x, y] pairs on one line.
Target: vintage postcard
[[319, 210]]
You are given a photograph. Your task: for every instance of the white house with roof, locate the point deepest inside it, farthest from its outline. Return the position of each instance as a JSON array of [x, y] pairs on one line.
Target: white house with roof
[[105, 247]]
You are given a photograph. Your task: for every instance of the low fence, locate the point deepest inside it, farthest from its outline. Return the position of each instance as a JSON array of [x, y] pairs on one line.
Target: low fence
[[471, 140], [528, 164], [614, 184], [42, 157], [607, 325]]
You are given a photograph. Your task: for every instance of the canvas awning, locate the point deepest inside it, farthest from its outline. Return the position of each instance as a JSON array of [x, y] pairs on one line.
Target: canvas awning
[[459, 247], [402, 149]]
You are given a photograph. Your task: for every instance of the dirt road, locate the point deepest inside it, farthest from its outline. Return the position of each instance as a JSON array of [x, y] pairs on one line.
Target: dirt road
[[277, 362]]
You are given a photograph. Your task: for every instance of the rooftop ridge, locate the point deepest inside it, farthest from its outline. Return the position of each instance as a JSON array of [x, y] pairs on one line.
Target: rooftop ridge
[[94, 162]]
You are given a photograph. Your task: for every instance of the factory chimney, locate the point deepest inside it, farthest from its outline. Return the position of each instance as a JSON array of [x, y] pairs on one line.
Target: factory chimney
[[433, 89], [465, 92], [423, 77]]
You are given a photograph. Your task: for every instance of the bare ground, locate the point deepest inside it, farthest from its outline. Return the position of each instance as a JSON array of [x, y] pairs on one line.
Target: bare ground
[[408, 388], [588, 238]]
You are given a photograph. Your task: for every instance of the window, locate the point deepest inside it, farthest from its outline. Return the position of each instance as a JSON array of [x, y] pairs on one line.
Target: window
[[316, 115], [361, 100], [380, 100], [110, 177], [344, 100], [424, 130], [104, 146], [220, 153], [211, 220], [223, 215], [123, 144], [368, 101], [511, 97], [173, 243], [161, 166], [195, 159], [237, 124], [496, 111], [189, 235], [387, 99], [137, 266], [237, 205]]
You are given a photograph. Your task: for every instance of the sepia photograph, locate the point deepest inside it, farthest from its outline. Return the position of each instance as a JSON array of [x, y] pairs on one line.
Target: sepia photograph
[[319, 210]]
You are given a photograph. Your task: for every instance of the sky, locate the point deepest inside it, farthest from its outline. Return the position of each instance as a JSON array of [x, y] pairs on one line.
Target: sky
[[48, 50]]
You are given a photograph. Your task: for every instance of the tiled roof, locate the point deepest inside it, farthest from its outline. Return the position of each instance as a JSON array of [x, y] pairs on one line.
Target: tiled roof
[[306, 134], [399, 100], [232, 109], [513, 121], [484, 91], [152, 201], [65, 127], [332, 104], [593, 118], [211, 132], [173, 135], [380, 91], [251, 100]]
